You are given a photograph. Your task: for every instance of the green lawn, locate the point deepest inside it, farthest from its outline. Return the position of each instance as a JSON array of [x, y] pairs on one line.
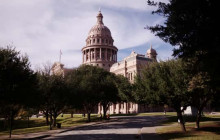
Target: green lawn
[[38, 124], [210, 128], [147, 114], [157, 114]]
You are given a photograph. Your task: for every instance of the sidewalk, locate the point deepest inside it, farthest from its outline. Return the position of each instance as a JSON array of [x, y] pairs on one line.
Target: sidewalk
[[44, 134], [149, 133]]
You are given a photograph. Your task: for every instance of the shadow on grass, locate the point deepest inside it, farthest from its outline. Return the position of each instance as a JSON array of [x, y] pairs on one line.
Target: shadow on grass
[[20, 123], [176, 135], [123, 114], [207, 131], [215, 130], [172, 119]]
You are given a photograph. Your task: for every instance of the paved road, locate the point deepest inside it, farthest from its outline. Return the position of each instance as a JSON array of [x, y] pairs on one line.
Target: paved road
[[119, 128]]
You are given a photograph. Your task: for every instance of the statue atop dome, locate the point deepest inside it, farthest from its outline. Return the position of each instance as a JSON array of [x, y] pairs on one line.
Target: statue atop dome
[[99, 18]]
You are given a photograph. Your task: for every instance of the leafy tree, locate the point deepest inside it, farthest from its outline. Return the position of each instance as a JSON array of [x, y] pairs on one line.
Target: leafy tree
[[17, 83], [164, 83], [43, 76], [93, 85], [87, 82], [124, 88], [108, 91], [192, 26], [201, 93], [53, 91], [74, 101]]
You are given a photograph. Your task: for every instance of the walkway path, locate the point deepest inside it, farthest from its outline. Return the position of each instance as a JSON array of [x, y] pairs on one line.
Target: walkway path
[[126, 127]]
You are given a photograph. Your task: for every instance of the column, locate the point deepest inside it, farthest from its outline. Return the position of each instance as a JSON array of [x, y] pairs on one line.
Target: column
[[89, 55], [136, 108], [100, 53], [95, 54], [83, 56], [115, 56], [111, 55], [106, 54], [125, 108], [117, 109], [113, 108], [99, 109]]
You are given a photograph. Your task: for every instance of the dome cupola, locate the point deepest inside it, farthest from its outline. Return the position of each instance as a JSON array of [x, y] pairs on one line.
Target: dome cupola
[[151, 53], [100, 29], [99, 49]]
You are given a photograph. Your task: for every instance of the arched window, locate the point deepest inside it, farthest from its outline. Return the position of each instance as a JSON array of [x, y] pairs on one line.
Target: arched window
[[98, 40]]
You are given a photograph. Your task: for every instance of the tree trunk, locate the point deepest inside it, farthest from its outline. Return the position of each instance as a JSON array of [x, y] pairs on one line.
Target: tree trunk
[[47, 117], [28, 121], [11, 123], [71, 114], [5, 122], [51, 121], [198, 117], [180, 118], [54, 120], [199, 113], [104, 111], [88, 117]]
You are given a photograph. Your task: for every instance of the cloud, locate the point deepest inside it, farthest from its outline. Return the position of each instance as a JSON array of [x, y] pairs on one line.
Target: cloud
[[41, 28]]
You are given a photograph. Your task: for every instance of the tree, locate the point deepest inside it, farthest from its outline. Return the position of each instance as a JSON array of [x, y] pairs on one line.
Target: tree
[[201, 93], [124, 88], [108, 91], [87, 81], [164, 83], [192, 26], [17, 83], [74, 101], [53, 91]]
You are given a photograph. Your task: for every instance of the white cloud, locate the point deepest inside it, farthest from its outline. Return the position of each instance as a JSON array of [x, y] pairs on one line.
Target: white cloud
[[41, 28]]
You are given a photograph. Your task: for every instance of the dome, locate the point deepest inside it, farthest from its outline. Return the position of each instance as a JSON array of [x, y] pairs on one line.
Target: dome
[[99, 29], [151, 51]]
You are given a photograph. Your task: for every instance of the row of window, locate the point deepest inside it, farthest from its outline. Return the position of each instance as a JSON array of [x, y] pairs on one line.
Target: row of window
[[98, 41], [122, 106], [103, 65]]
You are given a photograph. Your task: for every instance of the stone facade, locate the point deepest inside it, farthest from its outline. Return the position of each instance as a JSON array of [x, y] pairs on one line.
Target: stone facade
[[129, 67]]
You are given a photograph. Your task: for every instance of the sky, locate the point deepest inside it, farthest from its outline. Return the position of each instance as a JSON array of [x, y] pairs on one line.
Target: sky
[[41, 28]]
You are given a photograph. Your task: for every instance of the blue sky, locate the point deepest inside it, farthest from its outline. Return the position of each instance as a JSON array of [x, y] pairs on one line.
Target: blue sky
[[40, 28]]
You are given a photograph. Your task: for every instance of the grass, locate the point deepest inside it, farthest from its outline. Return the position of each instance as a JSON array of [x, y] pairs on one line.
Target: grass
[[209, 128], [147, 114], [39, 125], [157, 114]]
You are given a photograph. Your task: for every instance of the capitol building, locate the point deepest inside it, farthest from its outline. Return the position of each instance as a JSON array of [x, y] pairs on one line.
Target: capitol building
[[99, 50]]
